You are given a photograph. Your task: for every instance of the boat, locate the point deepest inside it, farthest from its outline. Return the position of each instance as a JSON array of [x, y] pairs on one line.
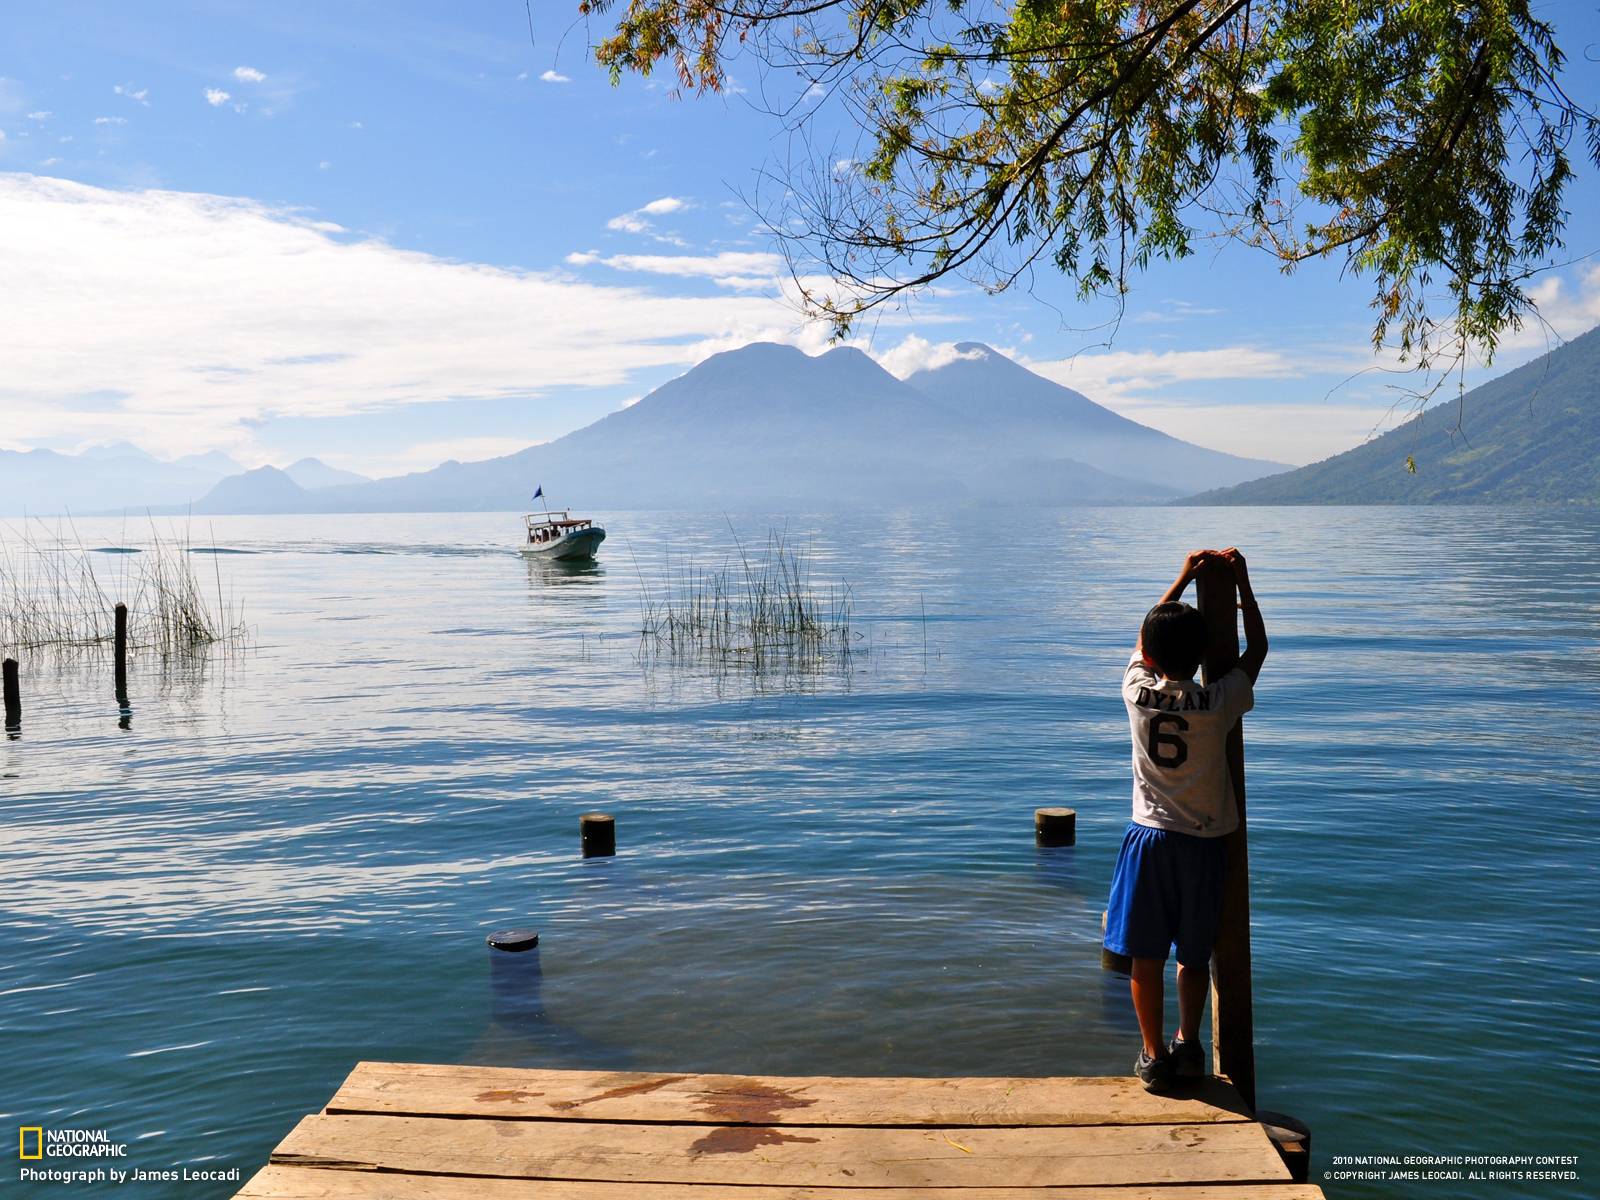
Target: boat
[[561, 536]]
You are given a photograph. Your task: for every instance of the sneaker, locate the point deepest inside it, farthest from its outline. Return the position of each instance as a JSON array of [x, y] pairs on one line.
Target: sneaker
[[1154, 1073], [1188, 1059]]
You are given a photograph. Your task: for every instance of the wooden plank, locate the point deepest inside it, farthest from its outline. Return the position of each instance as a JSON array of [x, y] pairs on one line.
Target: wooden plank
[[305, 1183], [505, 1092], [818, 1156]]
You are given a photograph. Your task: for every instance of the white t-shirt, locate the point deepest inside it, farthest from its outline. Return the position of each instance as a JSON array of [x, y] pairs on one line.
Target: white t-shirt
[[1180, 731]]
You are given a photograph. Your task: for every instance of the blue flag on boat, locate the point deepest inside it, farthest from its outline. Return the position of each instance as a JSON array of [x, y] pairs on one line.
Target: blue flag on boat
[[538, 491]]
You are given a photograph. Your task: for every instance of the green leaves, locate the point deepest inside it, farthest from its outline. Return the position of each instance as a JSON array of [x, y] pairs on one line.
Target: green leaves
[[1422, 143]]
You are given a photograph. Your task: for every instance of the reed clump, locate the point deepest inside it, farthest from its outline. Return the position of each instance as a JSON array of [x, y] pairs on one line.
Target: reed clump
[[761, 612], [56, 594]]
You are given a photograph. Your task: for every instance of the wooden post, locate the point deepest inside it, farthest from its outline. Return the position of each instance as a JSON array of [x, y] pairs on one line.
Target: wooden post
[[598, 832], [120, 653], [514, 941], [1117, 964], [1055, 826], [13, 693], [1292, 1140], [1232, 1021]]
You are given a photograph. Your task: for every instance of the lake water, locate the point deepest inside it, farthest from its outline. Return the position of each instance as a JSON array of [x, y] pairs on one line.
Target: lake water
[[289, 860]]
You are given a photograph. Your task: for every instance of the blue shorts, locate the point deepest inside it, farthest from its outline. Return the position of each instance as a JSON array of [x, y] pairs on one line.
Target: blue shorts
[[1166, 891]]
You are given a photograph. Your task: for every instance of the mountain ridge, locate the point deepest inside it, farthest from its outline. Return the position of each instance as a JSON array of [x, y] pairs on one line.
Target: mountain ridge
[[1531, 435], [767, 424], [1020, 402]]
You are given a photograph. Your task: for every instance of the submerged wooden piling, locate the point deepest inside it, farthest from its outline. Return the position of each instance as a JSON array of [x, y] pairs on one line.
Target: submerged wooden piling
[[13, 695], [1292, 1140], [120, 653], [513, 941], [1110, 960], [598, 833], [1232, 1017], [1055, 826]]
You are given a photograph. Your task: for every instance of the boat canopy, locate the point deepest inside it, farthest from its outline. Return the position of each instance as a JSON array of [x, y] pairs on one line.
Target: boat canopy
[[564, 521]]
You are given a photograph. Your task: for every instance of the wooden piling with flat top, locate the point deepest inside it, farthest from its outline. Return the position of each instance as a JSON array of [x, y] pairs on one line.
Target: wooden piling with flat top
[[1110, 960], [13, 695], [598, 834], [119, 645], [1055, 826], [1232, 1016]]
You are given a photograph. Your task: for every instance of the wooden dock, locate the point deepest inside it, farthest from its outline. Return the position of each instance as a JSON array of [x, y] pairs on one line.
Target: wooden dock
[[402, 1131]]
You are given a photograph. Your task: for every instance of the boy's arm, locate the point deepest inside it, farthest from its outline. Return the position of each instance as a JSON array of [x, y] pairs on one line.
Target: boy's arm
[[1255, 629], [1192, 562]]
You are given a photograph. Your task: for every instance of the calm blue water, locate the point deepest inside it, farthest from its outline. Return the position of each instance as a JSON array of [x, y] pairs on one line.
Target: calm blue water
[[289, 861]]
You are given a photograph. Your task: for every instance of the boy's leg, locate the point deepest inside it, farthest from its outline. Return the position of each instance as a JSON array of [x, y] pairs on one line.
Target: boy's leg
[[1146, 983], [1140, 923]]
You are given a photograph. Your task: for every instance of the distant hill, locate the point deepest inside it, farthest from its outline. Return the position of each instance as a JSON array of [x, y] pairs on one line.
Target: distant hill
[[770, 425], [119, 477], [314, 473], [1015, 403], [265, 489], [1530, 436], [116, 477]]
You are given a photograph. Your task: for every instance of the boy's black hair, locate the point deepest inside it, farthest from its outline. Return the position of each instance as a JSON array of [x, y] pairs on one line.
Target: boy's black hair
[[1174, 638]]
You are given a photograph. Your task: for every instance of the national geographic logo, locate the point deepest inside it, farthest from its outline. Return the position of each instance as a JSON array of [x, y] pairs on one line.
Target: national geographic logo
[[84, 1147], [34, 1142]]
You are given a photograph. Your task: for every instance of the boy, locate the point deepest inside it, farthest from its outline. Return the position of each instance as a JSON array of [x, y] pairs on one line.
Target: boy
[[1167, 887]]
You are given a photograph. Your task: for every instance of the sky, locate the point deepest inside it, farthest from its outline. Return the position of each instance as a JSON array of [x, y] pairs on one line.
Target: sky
[[391, 234]]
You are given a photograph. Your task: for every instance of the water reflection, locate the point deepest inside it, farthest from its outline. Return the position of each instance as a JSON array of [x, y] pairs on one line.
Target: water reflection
[[1057, 868], [521, 1031], [562, 572]]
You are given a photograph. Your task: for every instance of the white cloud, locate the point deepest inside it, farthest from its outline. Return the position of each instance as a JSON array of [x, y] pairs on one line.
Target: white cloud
[[918, 354], [1567, 310], [249, 75], [216, 97], [44, 114], [636, 221], [49, 162], [1173, 312], [111, 120], [554, 77], [136, 95], [741, 270], [1287, 433], [208, 313], [426, 455], [1124, 372], [324, 165]]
